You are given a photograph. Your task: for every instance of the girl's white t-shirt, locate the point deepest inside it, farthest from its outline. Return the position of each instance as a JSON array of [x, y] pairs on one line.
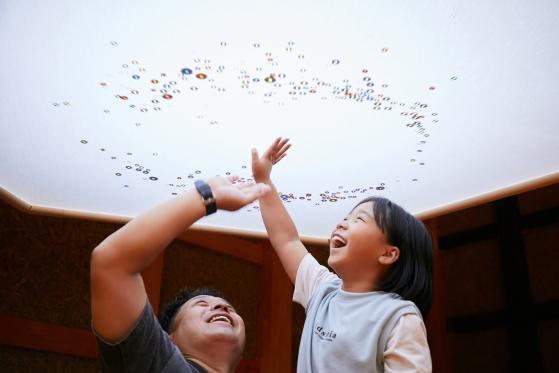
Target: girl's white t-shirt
[[406, 348]]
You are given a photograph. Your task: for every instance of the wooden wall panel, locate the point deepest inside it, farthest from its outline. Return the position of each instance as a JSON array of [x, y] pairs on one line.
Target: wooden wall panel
[[274, 316]]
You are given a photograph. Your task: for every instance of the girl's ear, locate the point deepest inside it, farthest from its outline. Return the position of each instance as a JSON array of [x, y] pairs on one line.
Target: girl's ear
[[390, 255]]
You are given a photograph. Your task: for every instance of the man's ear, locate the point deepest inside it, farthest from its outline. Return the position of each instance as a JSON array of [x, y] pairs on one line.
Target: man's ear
[[390, 255]]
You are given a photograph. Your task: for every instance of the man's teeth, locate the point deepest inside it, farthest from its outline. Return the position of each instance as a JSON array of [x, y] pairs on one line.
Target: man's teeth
[[220, 318]]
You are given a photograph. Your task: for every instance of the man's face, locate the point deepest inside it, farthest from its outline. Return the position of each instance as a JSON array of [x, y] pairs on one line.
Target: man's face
[[206, 319]]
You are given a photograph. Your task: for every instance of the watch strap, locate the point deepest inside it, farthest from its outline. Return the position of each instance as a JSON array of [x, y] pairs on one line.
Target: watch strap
[[207, 196]]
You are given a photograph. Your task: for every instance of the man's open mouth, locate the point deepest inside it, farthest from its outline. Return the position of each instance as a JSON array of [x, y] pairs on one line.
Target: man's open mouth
[[222, 318]]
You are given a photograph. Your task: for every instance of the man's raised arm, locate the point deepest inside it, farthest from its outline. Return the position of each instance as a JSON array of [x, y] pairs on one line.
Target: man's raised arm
[[118, 295]]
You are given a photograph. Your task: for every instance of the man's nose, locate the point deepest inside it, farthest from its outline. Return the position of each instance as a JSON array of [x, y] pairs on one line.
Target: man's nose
[[221, 305]]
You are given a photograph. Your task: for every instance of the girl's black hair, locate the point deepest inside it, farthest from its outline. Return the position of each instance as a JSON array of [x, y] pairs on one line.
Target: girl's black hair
[[171, 309], [411, 275]]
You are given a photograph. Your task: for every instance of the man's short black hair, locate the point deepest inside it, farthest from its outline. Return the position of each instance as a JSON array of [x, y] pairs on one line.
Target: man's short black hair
[[171, 309]]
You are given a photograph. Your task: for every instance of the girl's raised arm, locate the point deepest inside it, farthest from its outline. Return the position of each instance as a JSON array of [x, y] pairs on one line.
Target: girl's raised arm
[[281, 230]]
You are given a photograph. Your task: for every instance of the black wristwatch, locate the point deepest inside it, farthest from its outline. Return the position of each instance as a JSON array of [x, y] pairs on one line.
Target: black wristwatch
[[207, 196]]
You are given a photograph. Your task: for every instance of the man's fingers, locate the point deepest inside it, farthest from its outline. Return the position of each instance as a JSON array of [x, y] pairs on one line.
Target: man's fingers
[[233, 178], [246, 185]]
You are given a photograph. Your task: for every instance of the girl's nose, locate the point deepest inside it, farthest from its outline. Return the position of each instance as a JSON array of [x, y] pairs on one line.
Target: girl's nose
[[342, 225]]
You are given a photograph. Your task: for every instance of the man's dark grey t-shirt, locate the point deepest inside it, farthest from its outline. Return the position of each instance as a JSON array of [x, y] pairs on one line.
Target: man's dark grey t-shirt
[[147, 348]]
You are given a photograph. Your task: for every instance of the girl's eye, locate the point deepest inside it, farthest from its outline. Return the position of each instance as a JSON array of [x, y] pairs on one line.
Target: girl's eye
[[360, 218], [201, 303]]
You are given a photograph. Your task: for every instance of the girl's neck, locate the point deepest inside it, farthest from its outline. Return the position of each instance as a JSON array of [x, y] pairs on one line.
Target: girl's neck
[[358, 286], [361, 281]]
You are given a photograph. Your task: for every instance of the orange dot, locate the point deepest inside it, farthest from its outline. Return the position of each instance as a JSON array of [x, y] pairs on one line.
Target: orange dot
[[201, 76], [167, 96], [123, 97]]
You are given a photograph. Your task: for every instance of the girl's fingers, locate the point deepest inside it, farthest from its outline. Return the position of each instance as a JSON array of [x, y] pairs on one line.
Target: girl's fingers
[[284, 148], [280, 158], [279, 143], [233, 178], [283, 141]]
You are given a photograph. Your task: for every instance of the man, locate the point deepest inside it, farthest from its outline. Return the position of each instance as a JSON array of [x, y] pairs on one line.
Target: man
[[203, 331]]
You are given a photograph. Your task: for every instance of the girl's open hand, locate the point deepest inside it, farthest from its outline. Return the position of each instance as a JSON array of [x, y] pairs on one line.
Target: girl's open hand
[[262, 166]]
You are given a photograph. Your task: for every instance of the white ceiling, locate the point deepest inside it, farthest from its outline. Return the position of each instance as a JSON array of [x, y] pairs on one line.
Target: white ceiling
[[428, 103]]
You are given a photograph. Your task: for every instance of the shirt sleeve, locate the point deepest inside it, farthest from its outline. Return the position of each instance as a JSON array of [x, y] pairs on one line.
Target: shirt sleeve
[[310, 275], [407, 349], [147, 348]]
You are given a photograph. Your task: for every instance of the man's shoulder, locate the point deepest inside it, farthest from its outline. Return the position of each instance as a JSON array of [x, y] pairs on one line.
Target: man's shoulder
[[147, 348]]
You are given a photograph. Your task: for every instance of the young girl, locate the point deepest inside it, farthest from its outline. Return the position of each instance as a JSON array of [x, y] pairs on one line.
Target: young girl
[[367, 317]]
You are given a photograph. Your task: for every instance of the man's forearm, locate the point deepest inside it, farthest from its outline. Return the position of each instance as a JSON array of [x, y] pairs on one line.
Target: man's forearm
[[132, 248]]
